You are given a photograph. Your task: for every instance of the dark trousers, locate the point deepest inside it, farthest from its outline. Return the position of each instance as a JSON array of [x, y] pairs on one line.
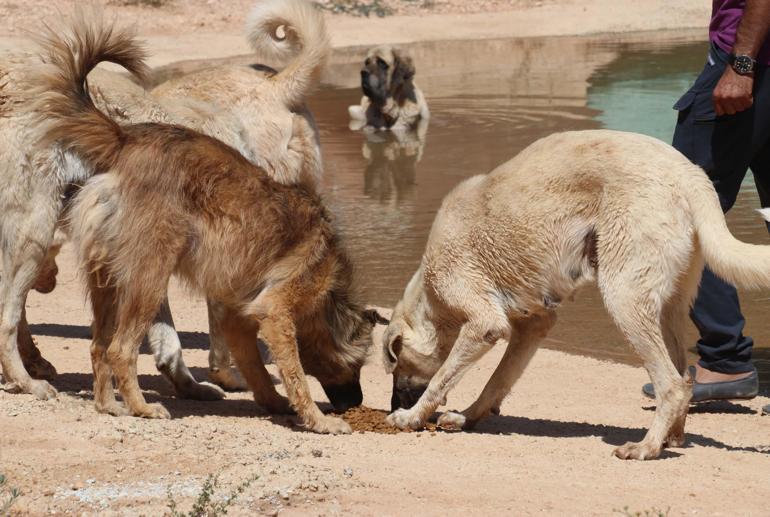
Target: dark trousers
[[725, 147]]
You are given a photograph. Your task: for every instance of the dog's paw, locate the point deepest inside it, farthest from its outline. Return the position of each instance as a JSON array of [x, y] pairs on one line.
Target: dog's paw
[[113, 408], [451, 421], [202, 391], [42, 390], [637, 451], [675, 440], [39, 388], [155, 411], [330, 425], [405, 419], [229, 379]]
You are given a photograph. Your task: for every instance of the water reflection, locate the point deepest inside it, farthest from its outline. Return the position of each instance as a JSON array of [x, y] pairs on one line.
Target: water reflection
[[391, 164]]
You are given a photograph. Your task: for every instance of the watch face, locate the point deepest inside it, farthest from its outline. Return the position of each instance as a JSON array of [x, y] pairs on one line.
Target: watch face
[[743, 64]]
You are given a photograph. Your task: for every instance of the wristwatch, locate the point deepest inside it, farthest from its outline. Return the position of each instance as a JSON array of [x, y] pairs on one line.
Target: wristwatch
[[742, 64]]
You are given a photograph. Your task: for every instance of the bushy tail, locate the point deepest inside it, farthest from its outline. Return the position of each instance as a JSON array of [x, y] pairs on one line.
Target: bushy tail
[[292, 31], [68, 115], [741, 264]]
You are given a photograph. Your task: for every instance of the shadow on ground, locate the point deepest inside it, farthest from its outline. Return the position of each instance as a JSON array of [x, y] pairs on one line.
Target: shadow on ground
[[613, 435]]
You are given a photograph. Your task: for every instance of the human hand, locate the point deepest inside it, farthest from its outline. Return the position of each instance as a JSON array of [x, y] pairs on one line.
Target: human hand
[[733, 93]]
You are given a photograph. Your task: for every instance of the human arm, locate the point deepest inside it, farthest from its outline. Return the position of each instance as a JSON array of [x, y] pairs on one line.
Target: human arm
[[733, 93]]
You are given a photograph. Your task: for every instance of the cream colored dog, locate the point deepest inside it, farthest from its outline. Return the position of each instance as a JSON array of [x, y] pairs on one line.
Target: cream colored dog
[[506, 248]]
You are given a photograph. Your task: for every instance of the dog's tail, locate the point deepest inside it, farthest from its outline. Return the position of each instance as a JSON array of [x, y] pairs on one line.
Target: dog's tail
[[292, 31], [740, 263], [68, 115]]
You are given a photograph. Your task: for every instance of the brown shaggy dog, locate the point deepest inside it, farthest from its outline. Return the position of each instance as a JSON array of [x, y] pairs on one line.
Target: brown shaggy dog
[[169, 201]]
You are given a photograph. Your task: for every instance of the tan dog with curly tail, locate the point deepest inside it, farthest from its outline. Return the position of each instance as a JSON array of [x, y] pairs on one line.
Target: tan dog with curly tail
[[625, 210]]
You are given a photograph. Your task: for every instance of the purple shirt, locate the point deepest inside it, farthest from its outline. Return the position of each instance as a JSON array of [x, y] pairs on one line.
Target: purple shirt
[[725, 17]]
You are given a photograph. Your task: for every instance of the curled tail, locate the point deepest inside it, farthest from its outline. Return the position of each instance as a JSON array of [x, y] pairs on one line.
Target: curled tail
[[292, 31], [740, 263], [69, 116]]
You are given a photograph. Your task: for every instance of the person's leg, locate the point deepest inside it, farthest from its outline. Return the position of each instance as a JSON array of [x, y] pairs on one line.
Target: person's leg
[[723, 146]]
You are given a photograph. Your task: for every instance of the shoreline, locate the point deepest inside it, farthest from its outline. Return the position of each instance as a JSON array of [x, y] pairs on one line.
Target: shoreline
[[599, 18]]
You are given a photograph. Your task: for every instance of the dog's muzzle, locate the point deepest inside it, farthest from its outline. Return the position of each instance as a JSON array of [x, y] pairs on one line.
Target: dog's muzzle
[[404, 396], [345, 396]]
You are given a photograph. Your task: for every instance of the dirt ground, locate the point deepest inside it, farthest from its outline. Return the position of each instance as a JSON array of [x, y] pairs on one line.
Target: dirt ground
[[548, 453]]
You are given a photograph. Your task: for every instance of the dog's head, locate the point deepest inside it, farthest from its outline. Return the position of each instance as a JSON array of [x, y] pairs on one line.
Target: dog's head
[[334, 343], [388, 73], [413, 349]]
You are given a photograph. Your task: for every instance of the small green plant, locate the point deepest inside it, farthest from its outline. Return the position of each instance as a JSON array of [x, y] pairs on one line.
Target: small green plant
[[652, 512], [357, 7], [8, 496], [206, 504]]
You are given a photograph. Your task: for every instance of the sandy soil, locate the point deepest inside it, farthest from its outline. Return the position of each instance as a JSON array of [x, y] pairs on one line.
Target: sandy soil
[[549, 452]]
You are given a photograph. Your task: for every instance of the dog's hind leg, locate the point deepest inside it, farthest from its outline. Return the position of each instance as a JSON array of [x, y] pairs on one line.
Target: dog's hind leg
[[103, 302], [523, 344], [634, 301], [167, 350], [34, 362], [139, 301], [221, 371], [240, 334], [674, 320], [476, 337], [25, 247]]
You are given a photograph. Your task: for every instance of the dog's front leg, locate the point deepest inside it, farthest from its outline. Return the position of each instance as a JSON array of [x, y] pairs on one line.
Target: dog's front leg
[[474, 340], [279, 333], [167, 350], [521, 347]]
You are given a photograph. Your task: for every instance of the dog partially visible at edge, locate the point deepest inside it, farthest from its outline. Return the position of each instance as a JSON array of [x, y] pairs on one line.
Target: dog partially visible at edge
[[168, 200], [506, 248], [392, 101]]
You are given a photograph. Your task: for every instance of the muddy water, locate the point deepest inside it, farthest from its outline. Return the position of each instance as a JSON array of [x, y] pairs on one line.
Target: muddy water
[[489, 100]]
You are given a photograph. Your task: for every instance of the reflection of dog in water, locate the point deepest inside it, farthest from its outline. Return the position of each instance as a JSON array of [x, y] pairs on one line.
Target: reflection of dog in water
[[391, 99], [391, 164]]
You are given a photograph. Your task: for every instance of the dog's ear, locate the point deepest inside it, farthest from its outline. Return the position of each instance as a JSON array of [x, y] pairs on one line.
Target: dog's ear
[[394, 344], [375, 318], [403, 73]]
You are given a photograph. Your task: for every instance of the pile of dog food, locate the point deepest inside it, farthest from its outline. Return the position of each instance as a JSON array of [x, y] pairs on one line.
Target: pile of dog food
[[367, 420]]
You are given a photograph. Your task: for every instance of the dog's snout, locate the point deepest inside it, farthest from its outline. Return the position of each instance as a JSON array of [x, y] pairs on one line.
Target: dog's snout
[[404, 396], [344, 396]]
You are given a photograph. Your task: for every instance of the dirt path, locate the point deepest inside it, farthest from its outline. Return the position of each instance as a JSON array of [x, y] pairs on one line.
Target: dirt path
[[548, 453]]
